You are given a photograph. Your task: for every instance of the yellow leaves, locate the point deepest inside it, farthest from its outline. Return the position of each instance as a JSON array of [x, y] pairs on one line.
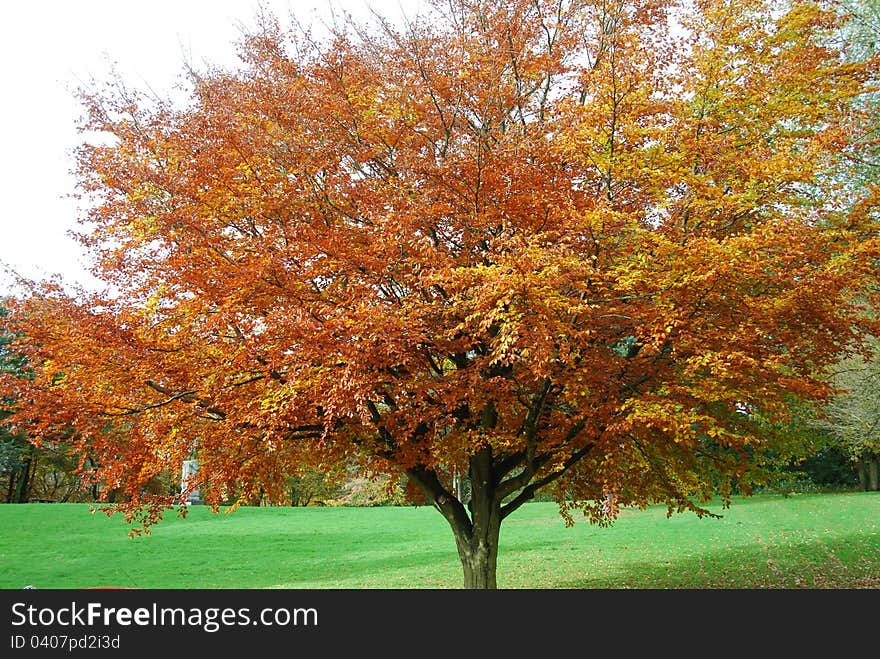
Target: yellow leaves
[[144, 228], [155, 301], [803, 18], [274, 399]]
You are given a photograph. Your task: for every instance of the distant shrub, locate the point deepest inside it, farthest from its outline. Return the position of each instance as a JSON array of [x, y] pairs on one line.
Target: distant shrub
[[311, 488], [364, 492], [793, 485]]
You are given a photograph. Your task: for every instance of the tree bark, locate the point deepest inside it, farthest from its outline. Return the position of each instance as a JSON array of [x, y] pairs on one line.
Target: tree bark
[[23, 485], [478, 553], [478, 549], [94, 487], [862, 470], [868, 468]]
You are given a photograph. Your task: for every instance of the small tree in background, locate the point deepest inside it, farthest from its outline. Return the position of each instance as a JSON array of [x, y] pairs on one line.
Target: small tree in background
[[311, 488], [853, 416]]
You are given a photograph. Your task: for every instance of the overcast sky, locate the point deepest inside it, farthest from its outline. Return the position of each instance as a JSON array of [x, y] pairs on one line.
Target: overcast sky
[[50, 47]]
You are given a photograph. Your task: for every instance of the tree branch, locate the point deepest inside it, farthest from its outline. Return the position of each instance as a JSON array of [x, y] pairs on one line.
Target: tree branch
[[441, 498], [529, 491], [189, 397]]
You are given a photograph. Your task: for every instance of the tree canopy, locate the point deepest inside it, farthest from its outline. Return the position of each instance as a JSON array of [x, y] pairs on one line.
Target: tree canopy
[[583, 246]]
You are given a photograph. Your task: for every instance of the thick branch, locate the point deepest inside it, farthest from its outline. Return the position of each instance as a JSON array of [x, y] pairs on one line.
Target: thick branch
[[529, 491], [533, 465], [442, 499], [514, 483], [189, 397], [530, 424]]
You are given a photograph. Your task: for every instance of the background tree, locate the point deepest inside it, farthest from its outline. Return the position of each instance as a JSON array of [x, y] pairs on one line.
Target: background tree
[[16, 456], [862, 29], [565, 245], [853, 416], [311, 488], [854, 411], [16, 453], [806, 456]]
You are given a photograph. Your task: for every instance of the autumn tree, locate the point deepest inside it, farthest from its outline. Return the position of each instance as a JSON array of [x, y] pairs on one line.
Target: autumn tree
[[41, 470], [583, 247]]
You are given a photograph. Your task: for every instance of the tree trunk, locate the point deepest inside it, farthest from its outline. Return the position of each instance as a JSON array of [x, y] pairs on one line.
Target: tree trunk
[[868, 468], [21, 489], [478, 550], [95, 489], [862, 470], [11, 490], [477, 528]]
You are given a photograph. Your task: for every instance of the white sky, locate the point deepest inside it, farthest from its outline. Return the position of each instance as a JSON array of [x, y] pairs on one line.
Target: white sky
[[49, 47]]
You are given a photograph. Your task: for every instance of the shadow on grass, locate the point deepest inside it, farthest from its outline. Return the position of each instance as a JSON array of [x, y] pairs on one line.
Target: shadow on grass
[[847, 562]]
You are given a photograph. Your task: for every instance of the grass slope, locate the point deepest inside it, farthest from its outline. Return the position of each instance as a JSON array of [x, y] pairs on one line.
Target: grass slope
[[815, 541]]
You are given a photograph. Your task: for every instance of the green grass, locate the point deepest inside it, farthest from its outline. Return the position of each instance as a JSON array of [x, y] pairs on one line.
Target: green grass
[[805, 541]]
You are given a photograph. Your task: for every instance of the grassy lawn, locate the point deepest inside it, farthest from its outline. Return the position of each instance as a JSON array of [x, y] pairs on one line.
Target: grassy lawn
[[805, 541]]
